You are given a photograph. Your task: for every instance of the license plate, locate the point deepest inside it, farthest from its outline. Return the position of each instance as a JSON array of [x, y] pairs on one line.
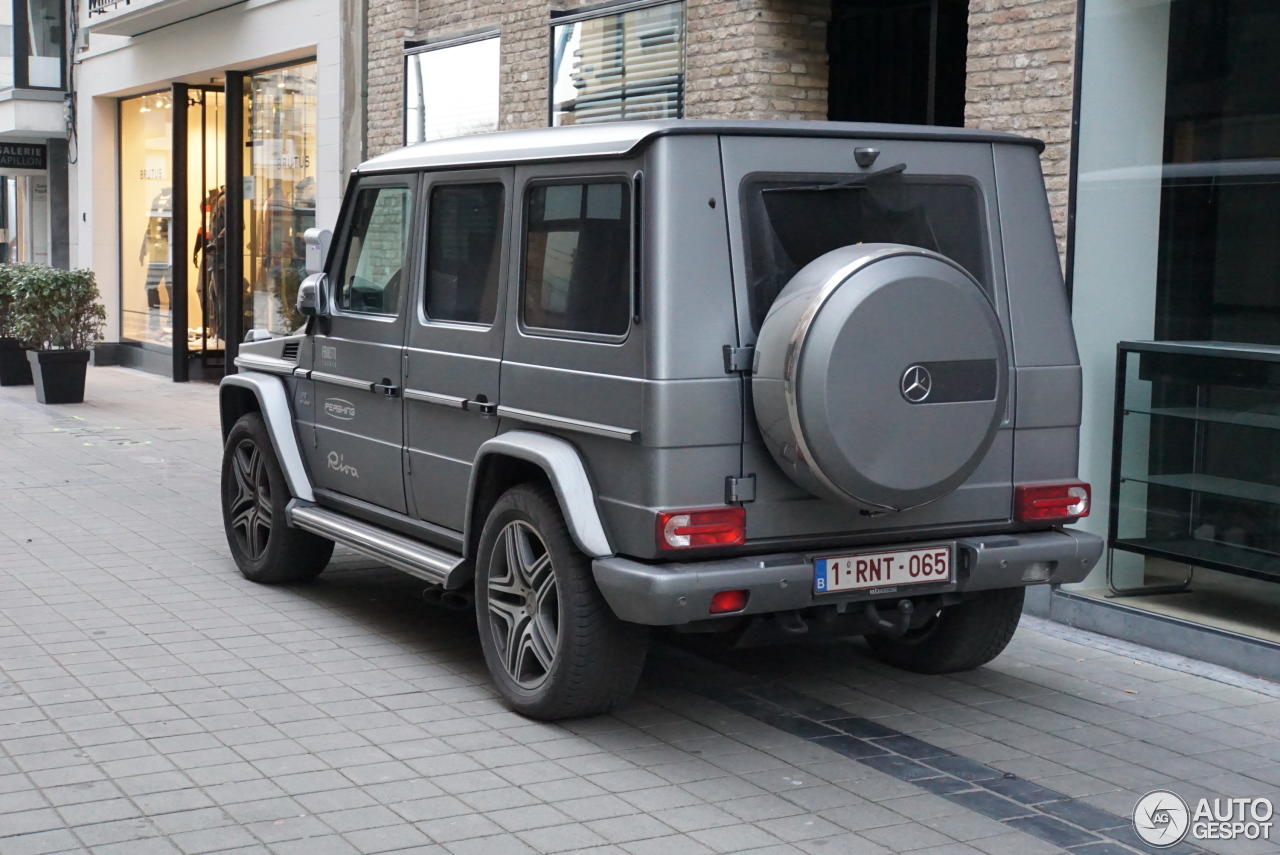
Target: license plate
[[882, 572]]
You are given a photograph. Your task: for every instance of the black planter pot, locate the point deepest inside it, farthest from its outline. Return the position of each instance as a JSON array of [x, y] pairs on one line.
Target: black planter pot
[[14, 368], [59, 375]]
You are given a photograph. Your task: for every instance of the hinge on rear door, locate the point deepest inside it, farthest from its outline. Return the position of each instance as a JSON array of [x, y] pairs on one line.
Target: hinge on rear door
[[738, 359], [737, 490]]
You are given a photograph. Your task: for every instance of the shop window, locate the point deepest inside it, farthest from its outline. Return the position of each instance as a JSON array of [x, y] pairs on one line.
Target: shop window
[[32, 44], [6, 46], [1177, 209], [577, 260], [377, 244], [464, 252], [451, 90], [629, 65], [146, 213], [45, 45], [900, 61], [279, 192]]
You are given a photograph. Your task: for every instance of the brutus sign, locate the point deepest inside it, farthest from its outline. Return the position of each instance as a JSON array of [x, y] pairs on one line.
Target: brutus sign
[[24, 156]]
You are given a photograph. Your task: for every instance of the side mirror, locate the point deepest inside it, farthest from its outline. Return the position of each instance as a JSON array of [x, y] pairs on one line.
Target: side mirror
[[313, 296], [317, 243]]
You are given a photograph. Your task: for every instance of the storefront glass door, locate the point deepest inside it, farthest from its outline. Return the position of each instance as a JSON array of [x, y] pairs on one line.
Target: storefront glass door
[[172, 235], [146, 213], [279, 192], [207, 244]]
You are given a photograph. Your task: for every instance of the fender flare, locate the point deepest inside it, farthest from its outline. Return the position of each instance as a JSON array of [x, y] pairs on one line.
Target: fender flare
[[564, 467], [273, 402]]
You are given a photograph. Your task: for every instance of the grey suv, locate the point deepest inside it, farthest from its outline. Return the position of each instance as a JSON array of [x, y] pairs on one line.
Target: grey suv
[[776, 380]]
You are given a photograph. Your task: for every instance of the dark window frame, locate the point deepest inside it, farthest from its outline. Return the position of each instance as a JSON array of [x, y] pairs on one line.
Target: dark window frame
[[22, 47], [605, 10], [986, 278], [342, 247], [632, 268], [424, 316]]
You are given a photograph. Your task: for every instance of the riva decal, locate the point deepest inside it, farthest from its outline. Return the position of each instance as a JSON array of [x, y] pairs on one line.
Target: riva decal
[[337, 464], [340, 409]]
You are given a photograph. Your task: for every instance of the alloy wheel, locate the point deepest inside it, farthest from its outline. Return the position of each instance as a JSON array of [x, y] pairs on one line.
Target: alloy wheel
[[250, 508], [524, 609]]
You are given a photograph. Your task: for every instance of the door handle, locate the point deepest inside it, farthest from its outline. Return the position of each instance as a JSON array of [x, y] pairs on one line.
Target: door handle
[[386, 388], [484, 408]]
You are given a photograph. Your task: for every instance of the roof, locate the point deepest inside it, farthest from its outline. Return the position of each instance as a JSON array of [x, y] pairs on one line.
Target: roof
[[616, 139]]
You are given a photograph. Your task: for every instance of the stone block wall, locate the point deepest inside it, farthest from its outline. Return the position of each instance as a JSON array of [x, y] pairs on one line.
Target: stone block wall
[[755, 59], [744, 59], [1021, 76]]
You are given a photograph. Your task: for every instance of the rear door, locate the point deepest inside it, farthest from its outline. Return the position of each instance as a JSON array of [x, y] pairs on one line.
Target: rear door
[[573, 360], [359, 349], [455, 337], [938, 195]]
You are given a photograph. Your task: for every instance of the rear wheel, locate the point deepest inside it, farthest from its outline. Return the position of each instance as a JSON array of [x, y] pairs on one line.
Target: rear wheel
[[962, 637], [254, 497], [552, 644]]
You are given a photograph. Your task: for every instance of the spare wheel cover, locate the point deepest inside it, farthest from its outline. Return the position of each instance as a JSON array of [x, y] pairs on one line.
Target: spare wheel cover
[[881, 376]]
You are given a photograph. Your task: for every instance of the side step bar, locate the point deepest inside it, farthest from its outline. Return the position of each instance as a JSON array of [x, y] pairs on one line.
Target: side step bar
[[429, 563]]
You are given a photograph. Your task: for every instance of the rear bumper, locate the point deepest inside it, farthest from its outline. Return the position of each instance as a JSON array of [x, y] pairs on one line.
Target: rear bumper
[[677, 593]]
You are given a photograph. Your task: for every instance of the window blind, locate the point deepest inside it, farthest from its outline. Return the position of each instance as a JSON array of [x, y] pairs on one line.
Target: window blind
[[619, 67]]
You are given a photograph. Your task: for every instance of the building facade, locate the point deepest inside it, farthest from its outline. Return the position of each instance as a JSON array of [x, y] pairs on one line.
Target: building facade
[[1161, 121], [33, 131], [209, 136]]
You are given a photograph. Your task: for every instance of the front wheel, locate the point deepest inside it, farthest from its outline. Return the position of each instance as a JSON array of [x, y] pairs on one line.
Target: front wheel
[[254, 498], [960, 638], [552, 644]]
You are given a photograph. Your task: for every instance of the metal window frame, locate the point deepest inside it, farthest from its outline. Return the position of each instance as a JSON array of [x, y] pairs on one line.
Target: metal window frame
[[412, 49], [119, 176], [624, 174], [1073, 158], [605, 10], [22, 47]]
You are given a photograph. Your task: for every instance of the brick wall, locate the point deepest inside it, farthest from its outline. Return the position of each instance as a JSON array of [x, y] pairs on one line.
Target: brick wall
[[745, 59], [1020, 79], [389, 23], [756, 59]]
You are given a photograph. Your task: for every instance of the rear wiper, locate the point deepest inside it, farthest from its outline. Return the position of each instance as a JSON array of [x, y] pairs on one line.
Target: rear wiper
[[852, 180]]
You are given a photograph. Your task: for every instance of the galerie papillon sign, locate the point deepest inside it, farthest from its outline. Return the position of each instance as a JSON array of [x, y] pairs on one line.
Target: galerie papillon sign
[[23, 156]]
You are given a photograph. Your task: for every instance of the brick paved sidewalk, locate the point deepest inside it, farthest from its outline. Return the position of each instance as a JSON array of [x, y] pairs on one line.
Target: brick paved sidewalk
[[153, 701]]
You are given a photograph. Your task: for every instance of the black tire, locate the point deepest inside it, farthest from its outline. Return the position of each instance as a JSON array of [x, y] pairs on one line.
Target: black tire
[[254, 496], [962, 637], [553, 645]]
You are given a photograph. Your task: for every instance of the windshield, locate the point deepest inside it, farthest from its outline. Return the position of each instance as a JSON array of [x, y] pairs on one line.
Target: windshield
[[793, 219]]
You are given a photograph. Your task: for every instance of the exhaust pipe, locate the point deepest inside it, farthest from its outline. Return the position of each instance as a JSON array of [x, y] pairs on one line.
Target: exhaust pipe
[[458, 601]]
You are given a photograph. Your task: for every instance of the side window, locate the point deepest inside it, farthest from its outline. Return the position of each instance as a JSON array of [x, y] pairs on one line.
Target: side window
[[577, 258], [464, 252], [375, 254]]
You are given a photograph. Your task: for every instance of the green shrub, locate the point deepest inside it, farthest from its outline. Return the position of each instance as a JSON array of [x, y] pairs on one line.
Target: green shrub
[[53, 309], [6, 301]]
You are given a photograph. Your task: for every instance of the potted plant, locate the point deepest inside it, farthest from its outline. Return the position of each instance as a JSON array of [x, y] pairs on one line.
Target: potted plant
[[57, 315], [14, 368]]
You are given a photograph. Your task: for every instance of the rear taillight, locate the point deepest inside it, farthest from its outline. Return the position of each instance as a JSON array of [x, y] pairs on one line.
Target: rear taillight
[[707, 527], [1049, 502], [727, 602]]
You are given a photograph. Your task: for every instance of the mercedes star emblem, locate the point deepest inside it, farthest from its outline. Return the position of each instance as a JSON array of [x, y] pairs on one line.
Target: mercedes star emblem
[[916, 384]]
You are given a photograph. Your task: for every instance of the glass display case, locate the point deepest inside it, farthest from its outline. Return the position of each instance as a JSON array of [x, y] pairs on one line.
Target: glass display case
[[1195, 470]]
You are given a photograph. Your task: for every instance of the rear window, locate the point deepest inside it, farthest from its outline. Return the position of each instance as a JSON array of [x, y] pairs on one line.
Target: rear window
[[793, 219]]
